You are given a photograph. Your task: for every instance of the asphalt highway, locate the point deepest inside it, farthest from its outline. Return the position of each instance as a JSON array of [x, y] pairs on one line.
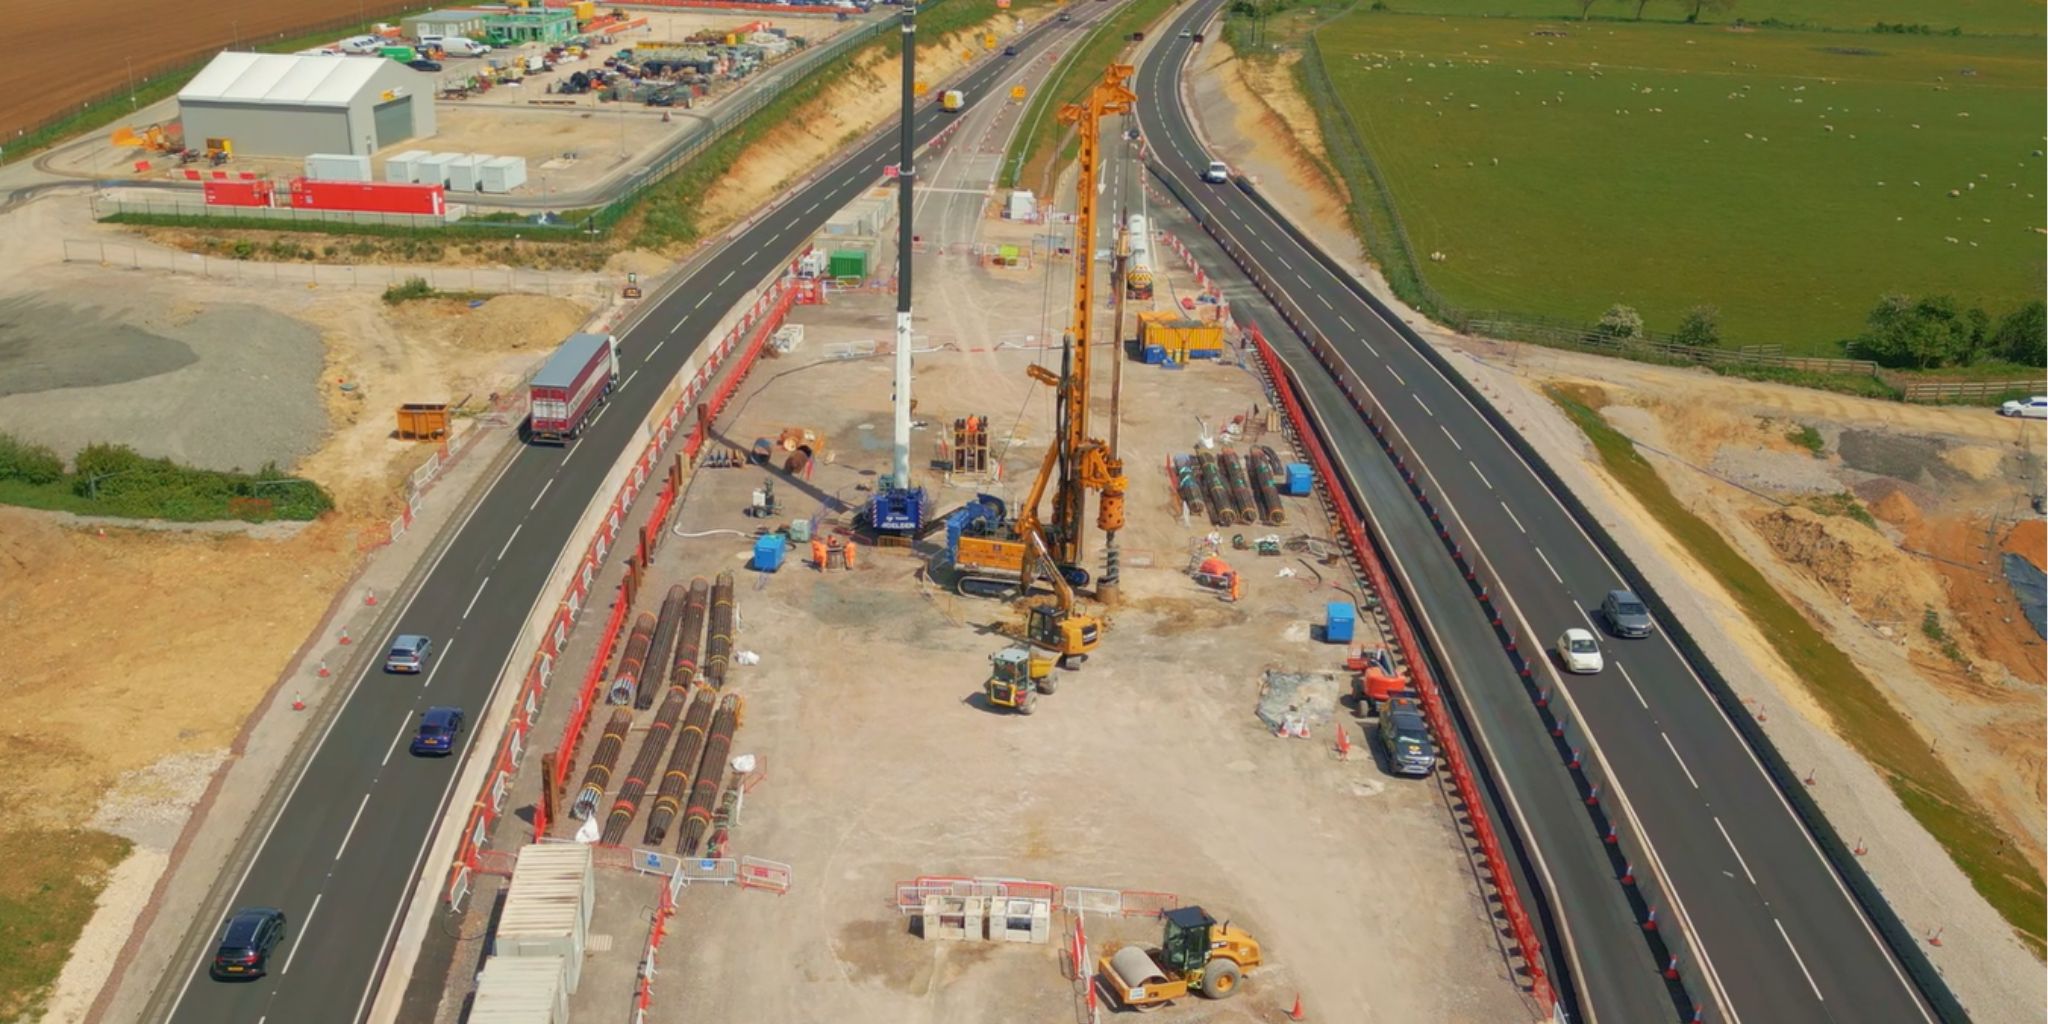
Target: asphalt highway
[[1778, 938], [343, 854]]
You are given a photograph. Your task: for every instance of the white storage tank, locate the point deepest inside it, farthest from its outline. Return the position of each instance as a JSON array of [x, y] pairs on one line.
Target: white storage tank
[[338, 167], [462, 173], [521, 990], [500, 175], [399, 170], [433, 170]]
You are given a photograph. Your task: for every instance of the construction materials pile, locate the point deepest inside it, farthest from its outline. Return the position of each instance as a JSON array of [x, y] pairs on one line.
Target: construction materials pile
[[1233, 489]]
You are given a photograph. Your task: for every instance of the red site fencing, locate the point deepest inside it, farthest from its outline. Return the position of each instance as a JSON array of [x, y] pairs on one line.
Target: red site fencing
[[749, 335], [1456, 760]]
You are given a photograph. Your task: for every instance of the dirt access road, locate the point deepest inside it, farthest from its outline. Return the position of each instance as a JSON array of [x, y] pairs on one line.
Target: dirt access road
[[66, 53]]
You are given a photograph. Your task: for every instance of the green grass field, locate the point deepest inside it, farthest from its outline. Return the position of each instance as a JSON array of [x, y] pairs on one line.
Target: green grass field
[[1977, 17], [1788, 177]]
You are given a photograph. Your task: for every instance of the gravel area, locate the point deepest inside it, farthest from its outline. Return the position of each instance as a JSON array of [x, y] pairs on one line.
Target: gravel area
[[1776, 472], [1912, 459], [225, 386]]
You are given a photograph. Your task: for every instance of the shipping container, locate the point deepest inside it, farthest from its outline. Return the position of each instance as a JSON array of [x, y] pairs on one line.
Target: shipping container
[[402, 169], [427, 200], [849, 263], [433, 170], [521, 990], [574, 381], [462, 174], [501, 174], [547, 907], [238, 193], [337, 167]]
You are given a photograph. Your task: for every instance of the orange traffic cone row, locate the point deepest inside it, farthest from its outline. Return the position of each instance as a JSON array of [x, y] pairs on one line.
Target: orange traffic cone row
[[297, 704], [1296, 1014]]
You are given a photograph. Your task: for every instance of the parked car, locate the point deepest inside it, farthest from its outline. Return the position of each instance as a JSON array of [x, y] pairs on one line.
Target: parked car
[[2035, 408], [409, 653], [246, 943], [1626, 614], [439, 727], [424, 64], [1218, 172], [1404, 734], [1579, 652]]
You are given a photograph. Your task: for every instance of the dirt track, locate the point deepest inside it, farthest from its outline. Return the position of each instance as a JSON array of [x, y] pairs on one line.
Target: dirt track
[[47, 72]]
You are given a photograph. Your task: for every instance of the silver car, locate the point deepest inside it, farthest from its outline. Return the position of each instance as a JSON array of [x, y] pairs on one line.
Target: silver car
[[1626, 615], [409, 653]]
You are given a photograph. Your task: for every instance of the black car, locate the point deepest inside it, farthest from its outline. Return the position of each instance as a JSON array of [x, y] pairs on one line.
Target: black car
[[424, 64], [438, 729], [246, 943]]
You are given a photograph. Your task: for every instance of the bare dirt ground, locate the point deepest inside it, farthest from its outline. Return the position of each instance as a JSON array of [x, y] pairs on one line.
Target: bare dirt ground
[[44, 79], [1946, 489], [119, 633]]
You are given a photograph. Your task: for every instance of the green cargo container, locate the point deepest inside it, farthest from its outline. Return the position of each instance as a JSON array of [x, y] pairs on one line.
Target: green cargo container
[[852, 263], [401, 54]]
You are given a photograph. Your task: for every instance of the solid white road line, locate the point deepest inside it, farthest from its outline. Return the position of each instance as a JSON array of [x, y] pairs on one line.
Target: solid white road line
[[543, 493], [509, 540], [1688, 776], [352, 824], [404, 726], [1547, 565], [1632, 685], [1800, 960], [305, 928], [1731, 849], [472, 602], [1511, 515], [1481, 476]]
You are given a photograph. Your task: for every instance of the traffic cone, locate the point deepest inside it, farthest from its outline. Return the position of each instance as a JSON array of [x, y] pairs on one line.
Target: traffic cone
[[370, 598], [1650, 923], [1860, 850], [345, 641], [297, 704], [323, 669], [1296, 1014], [1934, 939], [1343, 743], [1628, 874]]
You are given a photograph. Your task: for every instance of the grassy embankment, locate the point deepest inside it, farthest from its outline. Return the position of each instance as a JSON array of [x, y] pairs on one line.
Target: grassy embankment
[[1789, 176], [112, 480], [47, 894], [1029, 160], [1858, 709]]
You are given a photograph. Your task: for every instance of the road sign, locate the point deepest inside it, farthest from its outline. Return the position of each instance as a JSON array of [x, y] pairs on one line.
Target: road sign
[[1016, 92], [889, 171]]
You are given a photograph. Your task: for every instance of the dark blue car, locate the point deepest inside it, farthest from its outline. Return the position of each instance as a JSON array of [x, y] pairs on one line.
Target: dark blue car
[[438, 729]]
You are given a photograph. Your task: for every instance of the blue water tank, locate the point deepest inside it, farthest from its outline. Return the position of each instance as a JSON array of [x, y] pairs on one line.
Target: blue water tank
[[1340, 622], [768, 552], [1301, 480], [1155, 354]]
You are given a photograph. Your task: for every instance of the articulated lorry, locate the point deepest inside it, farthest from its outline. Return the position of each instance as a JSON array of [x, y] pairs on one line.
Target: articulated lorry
[[570, 386]]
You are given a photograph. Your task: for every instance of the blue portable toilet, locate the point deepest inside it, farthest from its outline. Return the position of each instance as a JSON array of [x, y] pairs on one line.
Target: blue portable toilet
[[1301, 480], [768, 552], [1340, 621], [1155, 354]]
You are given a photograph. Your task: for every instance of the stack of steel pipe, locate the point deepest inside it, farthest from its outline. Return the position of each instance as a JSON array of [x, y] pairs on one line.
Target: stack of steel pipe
[[658, 652], [704, 796], [1221, 511], [1263, 470], [718, 645], [1187, 477], [599, 775], [682, 766], [633, 661], [644, 763], [690, 635], [1240, 486]]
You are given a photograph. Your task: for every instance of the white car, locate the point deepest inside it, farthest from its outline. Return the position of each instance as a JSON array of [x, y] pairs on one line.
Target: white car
[[2035, 408], [1579, 652], [1218, 172]]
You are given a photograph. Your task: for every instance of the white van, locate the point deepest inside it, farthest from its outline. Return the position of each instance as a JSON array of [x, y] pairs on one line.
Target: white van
[[461, 46], [362, 44]]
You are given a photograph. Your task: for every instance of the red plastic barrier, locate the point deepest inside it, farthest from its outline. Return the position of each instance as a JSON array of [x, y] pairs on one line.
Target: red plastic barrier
[[1456, 760]]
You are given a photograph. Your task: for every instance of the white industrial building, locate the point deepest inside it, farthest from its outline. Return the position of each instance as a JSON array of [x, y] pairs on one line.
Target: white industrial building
[[270, 104]]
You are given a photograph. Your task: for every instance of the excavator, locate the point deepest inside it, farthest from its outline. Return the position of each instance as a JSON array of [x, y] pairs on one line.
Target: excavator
[[1033, 548]]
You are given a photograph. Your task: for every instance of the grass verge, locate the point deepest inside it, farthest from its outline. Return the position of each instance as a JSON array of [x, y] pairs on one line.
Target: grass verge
[[1858, 709], [1027, 158], [47, 894], [114, 480]]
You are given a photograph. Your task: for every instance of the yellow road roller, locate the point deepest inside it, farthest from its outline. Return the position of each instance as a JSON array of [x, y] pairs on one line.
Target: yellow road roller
[[1196, 954]]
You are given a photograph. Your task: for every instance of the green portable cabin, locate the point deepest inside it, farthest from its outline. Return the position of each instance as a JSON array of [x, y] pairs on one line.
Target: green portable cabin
[[848, 263]]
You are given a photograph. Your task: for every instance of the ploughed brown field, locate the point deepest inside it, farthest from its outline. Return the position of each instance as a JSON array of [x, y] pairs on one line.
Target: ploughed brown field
[[62, 54]]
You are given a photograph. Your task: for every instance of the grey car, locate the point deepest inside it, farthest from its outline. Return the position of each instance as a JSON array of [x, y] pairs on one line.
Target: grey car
[[1626, 614]]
